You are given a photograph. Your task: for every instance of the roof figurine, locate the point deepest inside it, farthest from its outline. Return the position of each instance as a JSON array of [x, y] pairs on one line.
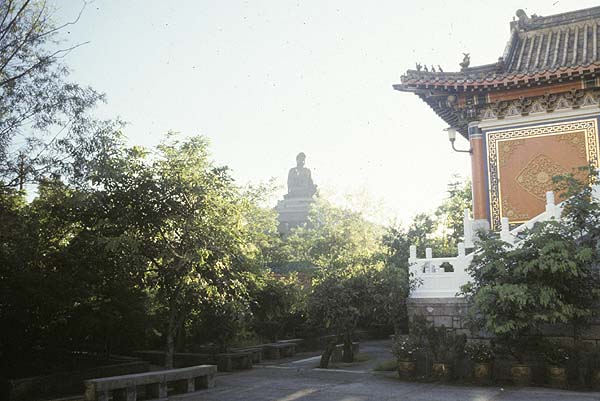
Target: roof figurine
[[418, 66], [466, 61]]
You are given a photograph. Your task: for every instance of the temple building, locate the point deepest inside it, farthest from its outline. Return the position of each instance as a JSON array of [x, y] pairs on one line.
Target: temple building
[[529, 116]]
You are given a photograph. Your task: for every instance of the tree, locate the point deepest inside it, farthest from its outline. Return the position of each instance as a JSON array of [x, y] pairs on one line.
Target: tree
[[550, 277], [45, 126], [277, 305], [64, 286], [187, 220], [334, 238], [334, 304], [450, 213]]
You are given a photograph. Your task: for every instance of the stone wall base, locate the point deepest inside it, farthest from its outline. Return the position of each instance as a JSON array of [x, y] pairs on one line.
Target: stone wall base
[[452, 313], [447, 312]]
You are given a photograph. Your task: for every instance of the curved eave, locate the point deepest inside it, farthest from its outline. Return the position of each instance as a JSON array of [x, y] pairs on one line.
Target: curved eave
[[498, 81]]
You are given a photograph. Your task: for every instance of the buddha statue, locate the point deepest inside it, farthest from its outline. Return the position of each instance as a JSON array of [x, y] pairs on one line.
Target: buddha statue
[[300, 183]]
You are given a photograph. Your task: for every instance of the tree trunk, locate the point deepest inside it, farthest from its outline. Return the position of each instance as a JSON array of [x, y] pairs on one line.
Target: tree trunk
[[324, 363], [170, 345], [348, 355]]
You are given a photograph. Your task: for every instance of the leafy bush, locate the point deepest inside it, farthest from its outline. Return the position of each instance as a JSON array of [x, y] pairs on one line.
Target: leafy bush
[[556, 355], [479, 352], [405, 349], [444, 344], [548, 278]]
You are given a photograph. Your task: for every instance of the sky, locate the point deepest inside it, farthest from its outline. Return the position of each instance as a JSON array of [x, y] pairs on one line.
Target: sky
[[265, 80]]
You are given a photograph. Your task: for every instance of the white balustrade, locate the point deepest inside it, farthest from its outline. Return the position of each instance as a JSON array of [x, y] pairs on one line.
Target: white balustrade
[[433, 275]]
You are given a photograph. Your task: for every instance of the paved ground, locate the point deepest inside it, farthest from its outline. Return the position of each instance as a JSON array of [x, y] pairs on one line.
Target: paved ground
[[297, 380]]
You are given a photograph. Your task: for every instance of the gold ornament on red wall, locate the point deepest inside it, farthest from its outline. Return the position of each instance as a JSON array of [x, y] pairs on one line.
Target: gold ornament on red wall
[[522, 161]]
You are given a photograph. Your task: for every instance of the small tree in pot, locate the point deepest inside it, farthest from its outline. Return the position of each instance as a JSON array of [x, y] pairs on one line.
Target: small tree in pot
[[556, 358], [405, 351], [445, 347], [482, 356]]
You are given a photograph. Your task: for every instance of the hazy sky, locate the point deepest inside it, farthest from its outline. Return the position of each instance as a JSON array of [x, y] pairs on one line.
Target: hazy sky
[[265, 80]]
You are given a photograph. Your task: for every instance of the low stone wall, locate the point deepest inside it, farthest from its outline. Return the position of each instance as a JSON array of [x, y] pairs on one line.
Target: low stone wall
[[448, 312], [452, 312], [226, 362], [66, 383]]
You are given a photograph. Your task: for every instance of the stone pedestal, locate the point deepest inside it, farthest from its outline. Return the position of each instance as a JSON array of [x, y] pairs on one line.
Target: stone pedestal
[[293, 212]]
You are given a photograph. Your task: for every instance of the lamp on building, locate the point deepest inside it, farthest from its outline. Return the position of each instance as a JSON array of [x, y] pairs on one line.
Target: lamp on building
[[452, 137]]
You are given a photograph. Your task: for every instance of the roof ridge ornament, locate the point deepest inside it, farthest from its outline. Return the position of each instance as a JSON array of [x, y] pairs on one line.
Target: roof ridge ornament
[[524, 19], [466, 61]]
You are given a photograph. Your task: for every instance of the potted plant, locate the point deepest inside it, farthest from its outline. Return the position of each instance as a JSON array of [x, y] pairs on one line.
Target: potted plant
[[518, 346], [556, 358], [482, 356], [405, 351], [594, 364], [445, 347]]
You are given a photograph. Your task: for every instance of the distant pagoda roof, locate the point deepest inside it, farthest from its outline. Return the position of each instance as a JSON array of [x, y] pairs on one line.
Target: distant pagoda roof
[[539, 48]]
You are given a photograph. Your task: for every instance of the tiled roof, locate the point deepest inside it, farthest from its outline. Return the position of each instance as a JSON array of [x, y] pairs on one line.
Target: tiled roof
[[540, 48]]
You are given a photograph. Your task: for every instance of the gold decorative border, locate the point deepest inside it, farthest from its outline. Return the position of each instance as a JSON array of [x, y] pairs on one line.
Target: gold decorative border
[[493, 138]]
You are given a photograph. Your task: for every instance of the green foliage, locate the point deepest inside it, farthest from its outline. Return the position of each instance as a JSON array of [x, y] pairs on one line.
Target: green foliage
[[405, 349], [440, 231], [334, 238], [190, 224], [443, 344], [555, 354], [63, 287], [45, 125], [335, 300], [479, 352], [548, 278], [278, 305]]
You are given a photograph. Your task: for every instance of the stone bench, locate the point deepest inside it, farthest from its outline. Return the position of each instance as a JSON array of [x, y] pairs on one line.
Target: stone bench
[[300, 343], [255, 352], [154, 385], [338, 351], [226, 362], [279, 350]]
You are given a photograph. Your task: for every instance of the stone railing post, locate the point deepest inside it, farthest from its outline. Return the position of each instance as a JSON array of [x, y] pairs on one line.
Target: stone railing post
[[412, 258], [596, 188], [468, 229], [505, 231], [550, 205]]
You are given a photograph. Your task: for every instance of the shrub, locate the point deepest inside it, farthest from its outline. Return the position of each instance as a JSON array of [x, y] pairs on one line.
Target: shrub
[[479, 352], [405, 349], [555, 355], [444, 344]]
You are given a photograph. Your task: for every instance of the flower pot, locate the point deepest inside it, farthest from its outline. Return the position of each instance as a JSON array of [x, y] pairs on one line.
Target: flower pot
[[556, 376], [407, 369], [441, 370], [521, 375], [596, 379], [482, 372]]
